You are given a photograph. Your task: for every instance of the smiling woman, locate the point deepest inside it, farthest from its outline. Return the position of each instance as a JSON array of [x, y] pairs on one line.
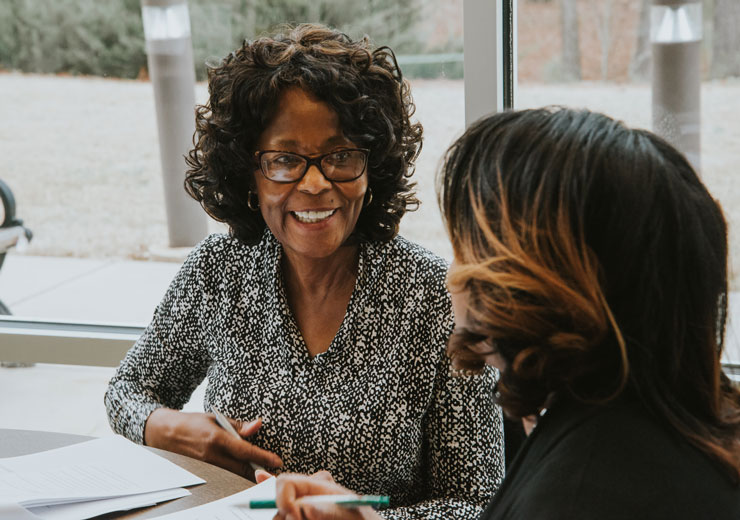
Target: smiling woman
[[322, 333], [311, 215]]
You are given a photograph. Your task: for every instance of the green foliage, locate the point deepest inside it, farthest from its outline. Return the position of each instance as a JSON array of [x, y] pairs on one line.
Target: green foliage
[[72, 36], [105, 38], [219, 27]]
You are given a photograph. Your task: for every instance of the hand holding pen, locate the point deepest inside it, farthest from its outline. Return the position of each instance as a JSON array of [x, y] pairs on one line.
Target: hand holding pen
[[247, 430], [299, 497], [198, 435]]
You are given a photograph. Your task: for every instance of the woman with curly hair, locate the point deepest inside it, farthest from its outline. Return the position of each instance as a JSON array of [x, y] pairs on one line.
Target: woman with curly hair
[[322, 332], [591, 269]]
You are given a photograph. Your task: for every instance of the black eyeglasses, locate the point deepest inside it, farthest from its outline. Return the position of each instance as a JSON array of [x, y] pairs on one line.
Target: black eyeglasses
[[342, 165]]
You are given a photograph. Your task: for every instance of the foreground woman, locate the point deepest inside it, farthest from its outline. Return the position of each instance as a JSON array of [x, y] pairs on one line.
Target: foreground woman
[[591, 269], [321, 332]]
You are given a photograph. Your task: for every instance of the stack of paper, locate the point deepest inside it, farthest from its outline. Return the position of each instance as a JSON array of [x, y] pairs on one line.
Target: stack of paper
[[88, 479], [233, 507]]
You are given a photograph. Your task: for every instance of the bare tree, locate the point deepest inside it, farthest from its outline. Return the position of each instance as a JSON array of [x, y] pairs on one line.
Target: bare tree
[[726, 39], [571, 41], [640, 64]]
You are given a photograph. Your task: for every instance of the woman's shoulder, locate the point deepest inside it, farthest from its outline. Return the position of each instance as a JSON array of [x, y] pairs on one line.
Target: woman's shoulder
[[615, 461], [404, 255], [219, 247]]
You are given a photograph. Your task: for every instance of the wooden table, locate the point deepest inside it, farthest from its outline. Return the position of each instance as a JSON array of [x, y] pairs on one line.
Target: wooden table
[[220, 483]]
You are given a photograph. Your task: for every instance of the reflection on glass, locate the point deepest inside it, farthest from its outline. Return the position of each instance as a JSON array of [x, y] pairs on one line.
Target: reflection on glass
[[676, 23], [165, 22], [82, 152]]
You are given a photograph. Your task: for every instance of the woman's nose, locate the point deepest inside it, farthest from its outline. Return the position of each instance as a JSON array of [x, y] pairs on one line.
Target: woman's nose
[[314, 181]]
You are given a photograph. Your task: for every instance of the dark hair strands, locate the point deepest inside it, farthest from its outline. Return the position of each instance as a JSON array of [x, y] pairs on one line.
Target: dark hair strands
[[595, 263], [363, 85]]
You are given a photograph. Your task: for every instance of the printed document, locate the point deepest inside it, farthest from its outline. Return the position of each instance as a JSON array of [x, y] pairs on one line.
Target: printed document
[[106, 468]]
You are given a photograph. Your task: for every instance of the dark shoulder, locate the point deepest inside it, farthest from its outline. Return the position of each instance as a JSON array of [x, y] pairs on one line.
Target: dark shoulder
[[615, 462]]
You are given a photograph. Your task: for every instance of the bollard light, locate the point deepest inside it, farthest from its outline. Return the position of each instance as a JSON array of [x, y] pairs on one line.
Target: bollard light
[[172, 73], [676, 34]]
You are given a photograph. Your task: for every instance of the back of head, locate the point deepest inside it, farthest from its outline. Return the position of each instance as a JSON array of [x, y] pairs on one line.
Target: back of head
[[595, 263]]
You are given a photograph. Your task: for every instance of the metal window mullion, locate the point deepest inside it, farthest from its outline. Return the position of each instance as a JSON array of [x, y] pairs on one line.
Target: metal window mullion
[[489, 40], [38, 341]]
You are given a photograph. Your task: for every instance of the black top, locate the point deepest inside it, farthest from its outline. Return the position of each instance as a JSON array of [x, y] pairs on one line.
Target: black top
[[608, 463]]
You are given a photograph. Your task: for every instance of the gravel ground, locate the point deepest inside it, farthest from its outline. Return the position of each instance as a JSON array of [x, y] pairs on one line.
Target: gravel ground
[[81, 156]]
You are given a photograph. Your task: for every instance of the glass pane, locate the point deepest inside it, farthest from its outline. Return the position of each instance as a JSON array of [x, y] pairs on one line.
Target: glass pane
[[82, 152], [598, 55], [82, 157]]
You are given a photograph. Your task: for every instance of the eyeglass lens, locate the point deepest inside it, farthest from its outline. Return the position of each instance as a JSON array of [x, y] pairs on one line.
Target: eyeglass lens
[[342, 165]]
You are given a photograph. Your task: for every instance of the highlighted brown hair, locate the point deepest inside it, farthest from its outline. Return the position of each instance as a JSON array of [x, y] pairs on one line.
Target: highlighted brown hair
[[595, 264]]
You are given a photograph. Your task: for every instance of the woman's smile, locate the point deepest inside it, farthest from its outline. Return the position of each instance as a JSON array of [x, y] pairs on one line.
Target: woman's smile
[[313, 216]]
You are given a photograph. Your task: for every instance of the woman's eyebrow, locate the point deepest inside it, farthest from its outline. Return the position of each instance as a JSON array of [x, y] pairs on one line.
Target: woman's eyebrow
[[292, 143]]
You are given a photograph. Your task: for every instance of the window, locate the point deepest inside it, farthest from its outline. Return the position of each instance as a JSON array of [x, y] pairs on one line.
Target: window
[[83, 158], [598, 55]]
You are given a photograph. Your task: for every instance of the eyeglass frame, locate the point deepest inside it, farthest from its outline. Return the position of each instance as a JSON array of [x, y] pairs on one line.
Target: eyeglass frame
[[316, 161]]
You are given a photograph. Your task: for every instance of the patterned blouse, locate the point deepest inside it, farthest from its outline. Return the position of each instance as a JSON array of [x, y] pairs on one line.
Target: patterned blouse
[[380, 409]]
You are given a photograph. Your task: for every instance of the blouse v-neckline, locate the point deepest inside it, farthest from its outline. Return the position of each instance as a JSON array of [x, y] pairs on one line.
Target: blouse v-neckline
[[298, 346]]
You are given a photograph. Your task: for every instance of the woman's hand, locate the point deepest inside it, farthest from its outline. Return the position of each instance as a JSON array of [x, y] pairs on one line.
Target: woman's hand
[[199, 436], [290, 488]]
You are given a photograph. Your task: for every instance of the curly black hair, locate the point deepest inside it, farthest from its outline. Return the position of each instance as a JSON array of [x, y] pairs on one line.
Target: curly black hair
[[363, 85]]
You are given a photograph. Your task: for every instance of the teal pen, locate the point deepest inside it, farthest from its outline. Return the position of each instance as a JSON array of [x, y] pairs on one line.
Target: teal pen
[[376, 501]]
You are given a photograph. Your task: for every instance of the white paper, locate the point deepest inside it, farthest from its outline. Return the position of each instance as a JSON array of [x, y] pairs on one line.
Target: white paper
[[225, 509], [102, 468], [83, 510], [11, 510]]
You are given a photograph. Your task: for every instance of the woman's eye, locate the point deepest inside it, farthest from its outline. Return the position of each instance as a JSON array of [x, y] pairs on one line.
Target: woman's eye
[[339, 157], [286, 160]]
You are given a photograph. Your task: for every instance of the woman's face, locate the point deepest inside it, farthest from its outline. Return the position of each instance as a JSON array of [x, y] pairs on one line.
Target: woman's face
[[307, 126], [459, 298]]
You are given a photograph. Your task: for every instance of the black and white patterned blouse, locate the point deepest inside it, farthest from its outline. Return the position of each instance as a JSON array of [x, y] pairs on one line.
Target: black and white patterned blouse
[[379, 409]]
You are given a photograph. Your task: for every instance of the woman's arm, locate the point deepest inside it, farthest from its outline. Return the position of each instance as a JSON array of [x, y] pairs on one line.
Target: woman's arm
[[160, 372], [167, 362]]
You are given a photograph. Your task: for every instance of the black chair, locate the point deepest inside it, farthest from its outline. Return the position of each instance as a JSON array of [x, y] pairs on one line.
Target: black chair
[[11, 229]]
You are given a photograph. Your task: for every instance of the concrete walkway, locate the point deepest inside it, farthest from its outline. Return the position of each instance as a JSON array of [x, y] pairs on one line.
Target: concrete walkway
[[70, 398]]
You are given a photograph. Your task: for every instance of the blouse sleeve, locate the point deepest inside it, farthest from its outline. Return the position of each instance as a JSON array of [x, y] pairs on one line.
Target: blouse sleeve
[[168, 361], [464, 433]]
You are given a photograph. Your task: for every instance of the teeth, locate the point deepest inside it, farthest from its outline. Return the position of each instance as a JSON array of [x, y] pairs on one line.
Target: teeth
[[311, 217]]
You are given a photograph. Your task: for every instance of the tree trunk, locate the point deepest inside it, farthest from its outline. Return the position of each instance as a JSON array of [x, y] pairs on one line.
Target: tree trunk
[[571, 41], [640, 65], [726, 39]]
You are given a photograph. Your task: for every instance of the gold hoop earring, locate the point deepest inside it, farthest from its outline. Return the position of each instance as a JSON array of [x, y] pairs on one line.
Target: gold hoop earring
[[250, 205], [369, 197]]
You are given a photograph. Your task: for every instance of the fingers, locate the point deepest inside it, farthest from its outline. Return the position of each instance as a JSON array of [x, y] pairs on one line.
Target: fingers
[[289, 488], [246, 429], [247, 452], [323, 475], [334, 512], [261, 476]]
